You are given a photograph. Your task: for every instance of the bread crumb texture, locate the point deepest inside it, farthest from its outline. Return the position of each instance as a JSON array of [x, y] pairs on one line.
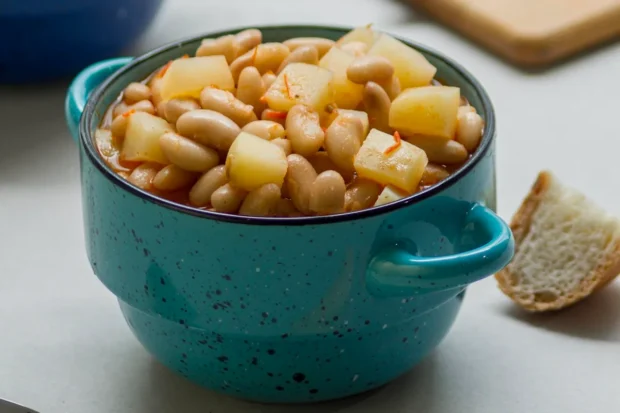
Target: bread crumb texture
[[567, 247]]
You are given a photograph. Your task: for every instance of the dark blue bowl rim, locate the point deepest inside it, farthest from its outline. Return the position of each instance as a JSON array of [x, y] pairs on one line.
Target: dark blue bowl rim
[[91, 151]]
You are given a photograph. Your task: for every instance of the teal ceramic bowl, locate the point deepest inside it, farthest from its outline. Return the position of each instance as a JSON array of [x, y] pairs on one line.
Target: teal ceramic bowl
[[287, 310]]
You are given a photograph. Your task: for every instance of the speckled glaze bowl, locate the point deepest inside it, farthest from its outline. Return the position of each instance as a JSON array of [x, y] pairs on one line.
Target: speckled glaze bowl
[[286, 310]]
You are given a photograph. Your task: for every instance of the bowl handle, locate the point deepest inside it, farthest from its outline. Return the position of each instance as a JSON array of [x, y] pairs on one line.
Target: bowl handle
[[83, 84], [396, 272]]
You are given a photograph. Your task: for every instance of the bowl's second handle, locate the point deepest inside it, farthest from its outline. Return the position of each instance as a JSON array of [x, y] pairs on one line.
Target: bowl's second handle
[[395, 272], [82, 86]]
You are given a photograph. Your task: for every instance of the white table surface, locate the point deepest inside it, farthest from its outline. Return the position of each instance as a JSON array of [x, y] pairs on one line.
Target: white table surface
[[64, 347]]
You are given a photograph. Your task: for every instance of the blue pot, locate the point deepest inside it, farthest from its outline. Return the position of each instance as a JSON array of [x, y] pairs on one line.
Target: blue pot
[[47, 39], [295, 309]]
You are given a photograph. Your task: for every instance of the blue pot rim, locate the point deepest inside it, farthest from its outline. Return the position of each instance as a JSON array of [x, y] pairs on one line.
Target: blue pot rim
[[91, 150]]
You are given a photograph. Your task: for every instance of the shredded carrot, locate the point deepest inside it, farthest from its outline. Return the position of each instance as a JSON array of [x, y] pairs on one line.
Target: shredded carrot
[[275, 114], [287, 86], [254, 56], [397, 143], [128, 113], [164, 69], [185, 56]]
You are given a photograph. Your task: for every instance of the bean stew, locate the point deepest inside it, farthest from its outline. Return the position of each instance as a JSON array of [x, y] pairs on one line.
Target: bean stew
[[305, 127]]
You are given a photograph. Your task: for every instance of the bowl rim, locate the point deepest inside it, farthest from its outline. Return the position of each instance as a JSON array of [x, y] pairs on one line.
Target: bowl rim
[[92, 153]]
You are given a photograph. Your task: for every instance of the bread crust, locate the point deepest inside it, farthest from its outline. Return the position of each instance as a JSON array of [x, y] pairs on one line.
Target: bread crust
[[606, 271]]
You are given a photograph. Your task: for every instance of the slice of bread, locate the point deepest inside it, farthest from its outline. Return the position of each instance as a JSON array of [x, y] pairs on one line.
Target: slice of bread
[[566, 248]]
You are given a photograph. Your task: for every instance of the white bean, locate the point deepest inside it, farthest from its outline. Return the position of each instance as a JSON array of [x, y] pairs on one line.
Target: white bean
[[187, 154], [200, 194], [327, 193]]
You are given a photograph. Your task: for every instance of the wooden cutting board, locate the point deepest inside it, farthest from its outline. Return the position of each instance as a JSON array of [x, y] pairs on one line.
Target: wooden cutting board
[[530, 33]]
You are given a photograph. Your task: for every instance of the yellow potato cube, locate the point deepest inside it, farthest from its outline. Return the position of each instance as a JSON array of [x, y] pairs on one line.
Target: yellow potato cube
[[390, 194], [410, 66], [387, 160], [429, 110], [142, 138], [186, 77], [301, 83], [361, 115], [364, 34], [253, 162], [347, 95]]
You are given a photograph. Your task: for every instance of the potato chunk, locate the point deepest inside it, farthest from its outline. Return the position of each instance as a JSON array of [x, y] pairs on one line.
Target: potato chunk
[[410, 66], [390, 194], [387, 160], [429, 110], [142, 138], [361, 115], [253, 162], [347, 95], [301, 83], [187, 77], [363, 34]]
